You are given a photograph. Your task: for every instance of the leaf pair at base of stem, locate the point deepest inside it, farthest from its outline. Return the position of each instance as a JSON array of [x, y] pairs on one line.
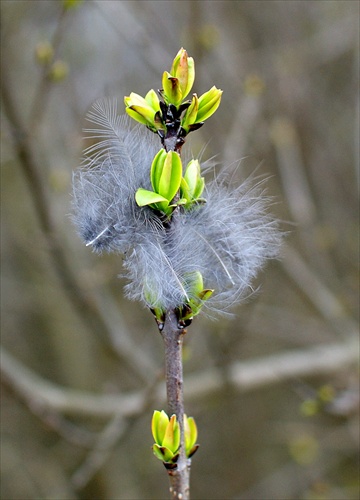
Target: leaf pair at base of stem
[[166, 433], [195, 296], [170, 189]]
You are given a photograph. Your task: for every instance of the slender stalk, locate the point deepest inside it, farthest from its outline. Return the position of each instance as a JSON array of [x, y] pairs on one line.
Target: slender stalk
[[173, 341]]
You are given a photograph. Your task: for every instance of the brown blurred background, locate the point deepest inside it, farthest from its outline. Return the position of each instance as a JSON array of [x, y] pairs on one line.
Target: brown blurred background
[[273, 390]]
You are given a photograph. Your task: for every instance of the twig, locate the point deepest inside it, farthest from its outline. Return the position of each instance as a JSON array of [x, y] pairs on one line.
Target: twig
[[173, 336], [173, 340]]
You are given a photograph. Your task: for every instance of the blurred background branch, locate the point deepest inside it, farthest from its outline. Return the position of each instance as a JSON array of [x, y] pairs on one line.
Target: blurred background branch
[[41, 394], [85, 302], [86, 362]]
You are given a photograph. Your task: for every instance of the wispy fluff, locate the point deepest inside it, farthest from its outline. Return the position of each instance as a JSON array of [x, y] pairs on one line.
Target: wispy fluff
[[228, 239]]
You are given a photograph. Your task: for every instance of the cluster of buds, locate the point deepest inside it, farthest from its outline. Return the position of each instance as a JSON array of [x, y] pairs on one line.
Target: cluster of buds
[[166, 433], [167, 181], [175, 118], [195, 294], [165, 177], [174, 111], [319, 401], [176, 241]]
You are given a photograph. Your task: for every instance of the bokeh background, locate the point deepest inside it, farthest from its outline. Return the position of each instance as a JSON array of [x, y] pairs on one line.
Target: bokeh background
[[274, 390]]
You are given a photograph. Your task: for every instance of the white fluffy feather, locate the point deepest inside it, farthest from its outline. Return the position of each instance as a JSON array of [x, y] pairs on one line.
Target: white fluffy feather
[[227, 239]]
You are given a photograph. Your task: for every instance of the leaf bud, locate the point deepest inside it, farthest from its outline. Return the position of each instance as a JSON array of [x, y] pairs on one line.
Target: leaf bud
[[171, 89], [198, 295], [201, 109], [191, 435], [166, 433], [71, 4], [183, 68], [165, 177], [208, 104], [191, 114], [177, 83], [192, 184], [145, 110], [44, 52], [58, 71]]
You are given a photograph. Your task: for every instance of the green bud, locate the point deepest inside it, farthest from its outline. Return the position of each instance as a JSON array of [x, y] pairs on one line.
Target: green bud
[[58, 71], [178, 83], [208, 104], [191, 435], [150, 297], [159, 423], [190, 115], [198, 295], [193, 183], [170, 178], [157, 168], [197, 303], [159, 315], [166, 433], [201, 109], [70, 4], [152, 99], [326, 393], [171, 89], [165, 177], [44, 52], [144, 110], [172, 435], [183, 68], [309, 407], [304, 449], [194, 283]]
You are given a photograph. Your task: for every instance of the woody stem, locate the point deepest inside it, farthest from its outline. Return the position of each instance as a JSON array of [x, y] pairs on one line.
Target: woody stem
[[173, 340]]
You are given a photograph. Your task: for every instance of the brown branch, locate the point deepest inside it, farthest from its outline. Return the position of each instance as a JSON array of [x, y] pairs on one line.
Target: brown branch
[[173, 341], [173, 335]]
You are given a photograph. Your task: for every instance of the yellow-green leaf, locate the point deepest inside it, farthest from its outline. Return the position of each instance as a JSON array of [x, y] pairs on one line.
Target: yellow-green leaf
[[172, 435], [170, 179], [163, 453], [171, 89], [208, 104], [159, 423], [190, 432], [144, 197], [157, 168]]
